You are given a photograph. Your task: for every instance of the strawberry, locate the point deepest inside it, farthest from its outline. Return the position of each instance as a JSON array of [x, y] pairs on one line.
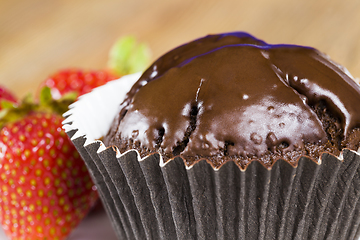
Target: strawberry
[[76, 80], [6, 96], [125, 57], [45, 188]]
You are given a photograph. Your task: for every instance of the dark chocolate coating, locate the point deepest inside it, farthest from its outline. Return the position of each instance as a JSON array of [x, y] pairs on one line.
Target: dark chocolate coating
[[234, 94]]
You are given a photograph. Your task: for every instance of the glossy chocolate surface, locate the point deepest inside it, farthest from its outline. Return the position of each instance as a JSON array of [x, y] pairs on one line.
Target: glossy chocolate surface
[[234, 94]]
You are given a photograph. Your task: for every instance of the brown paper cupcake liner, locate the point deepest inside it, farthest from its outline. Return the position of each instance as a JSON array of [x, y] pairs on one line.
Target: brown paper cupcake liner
[[147, 199]]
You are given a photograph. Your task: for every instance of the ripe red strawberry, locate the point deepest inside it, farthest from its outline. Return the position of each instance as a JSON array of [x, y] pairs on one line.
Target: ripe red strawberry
[[45, 188], [76, 80], [6, 95], [125, 57]]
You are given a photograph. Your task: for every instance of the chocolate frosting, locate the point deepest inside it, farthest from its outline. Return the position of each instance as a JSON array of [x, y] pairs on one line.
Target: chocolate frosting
[[235, 94]]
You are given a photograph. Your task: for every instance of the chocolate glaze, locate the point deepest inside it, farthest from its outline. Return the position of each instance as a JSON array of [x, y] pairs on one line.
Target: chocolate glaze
[[234, 95], [186, 52]]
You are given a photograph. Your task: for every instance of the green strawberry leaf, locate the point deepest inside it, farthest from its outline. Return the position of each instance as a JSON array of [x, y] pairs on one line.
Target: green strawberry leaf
[[70, 96], [5, 104], [3, 113], [45, 96], [14, 112], [139, 59], [127, 56]]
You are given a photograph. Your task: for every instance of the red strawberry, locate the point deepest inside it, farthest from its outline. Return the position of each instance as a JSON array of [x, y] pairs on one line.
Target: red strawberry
[[76, 80], [125, 57], [45, 188], [6, 95]]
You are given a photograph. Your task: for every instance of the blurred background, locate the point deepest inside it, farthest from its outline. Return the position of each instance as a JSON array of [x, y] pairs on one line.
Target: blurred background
[[38, 37]]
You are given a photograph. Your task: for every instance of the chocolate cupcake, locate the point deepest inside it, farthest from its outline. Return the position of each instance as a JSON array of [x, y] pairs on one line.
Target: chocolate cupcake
[[228, 137], [233, 97]]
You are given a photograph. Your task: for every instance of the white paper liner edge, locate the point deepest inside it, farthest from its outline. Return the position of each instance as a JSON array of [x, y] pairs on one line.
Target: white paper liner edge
[[92, 113]]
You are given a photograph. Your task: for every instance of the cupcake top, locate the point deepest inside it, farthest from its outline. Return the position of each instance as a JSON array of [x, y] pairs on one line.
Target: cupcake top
[[234, 97]]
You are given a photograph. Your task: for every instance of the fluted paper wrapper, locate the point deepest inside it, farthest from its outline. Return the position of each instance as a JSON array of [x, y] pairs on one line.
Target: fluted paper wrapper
[[146, 198]]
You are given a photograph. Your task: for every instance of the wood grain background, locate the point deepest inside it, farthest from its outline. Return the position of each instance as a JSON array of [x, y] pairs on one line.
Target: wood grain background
[[38, 37]]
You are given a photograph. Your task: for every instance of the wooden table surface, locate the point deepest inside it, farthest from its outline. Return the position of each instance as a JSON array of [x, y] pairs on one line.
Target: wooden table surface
[[38, 37]]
